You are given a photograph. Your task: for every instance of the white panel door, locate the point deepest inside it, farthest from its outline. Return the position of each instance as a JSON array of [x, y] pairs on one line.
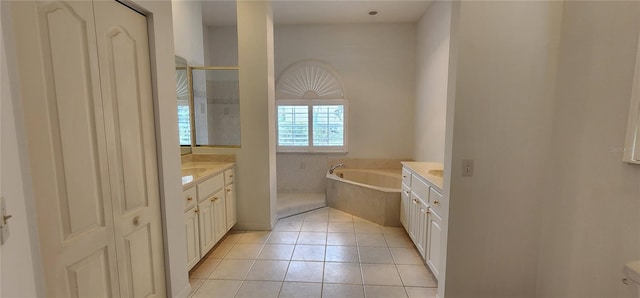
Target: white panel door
[[125, 71], [423, 228], [193, 240], [219, 215], [230, 203], [433, 243], [58, 65], [207, 223]]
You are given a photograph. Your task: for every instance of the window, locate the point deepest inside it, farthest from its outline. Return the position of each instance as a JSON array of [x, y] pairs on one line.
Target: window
[[307, 125], [184, 124]]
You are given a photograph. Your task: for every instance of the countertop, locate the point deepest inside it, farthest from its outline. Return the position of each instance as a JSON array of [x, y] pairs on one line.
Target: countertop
[[428, 171], [194, 172]]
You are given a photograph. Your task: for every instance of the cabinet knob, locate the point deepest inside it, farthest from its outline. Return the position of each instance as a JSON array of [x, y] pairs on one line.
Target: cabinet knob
[[231, 176], [436, 202], [415, 201], [403, 176], [197, 210], [228, 189], [214, 199], [189, 198], [137, 220], [407, 192]]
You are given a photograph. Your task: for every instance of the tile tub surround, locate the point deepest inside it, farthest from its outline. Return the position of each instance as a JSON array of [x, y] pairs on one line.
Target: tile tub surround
[[336, 265], [377, 204], [368, 163]]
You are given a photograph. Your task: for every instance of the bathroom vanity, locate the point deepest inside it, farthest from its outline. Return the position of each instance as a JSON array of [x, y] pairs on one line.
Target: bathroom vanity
[[423, 210], [210, 204]]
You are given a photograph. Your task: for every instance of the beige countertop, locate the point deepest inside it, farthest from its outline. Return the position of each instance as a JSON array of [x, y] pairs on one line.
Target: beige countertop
[[431, 171], [194, 172]]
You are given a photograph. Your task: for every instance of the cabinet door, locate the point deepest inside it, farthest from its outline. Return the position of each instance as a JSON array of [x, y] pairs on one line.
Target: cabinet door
[[206, 226], [193, 237], [423, 228], [230, 197], [404, 208], [414, 209], [433, 243], [219, 215]]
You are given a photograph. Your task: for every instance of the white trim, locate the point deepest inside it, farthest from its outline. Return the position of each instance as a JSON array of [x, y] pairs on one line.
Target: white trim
[[631, 150]]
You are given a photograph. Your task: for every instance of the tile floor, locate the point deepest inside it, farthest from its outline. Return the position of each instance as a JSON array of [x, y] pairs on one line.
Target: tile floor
[[322, 253]]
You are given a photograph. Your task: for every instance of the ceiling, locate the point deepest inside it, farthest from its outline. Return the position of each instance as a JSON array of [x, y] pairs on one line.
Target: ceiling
[[222, 12]]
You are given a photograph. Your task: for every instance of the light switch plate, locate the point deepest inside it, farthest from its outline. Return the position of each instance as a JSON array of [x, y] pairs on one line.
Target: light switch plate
[[467, 167], [4, 226]]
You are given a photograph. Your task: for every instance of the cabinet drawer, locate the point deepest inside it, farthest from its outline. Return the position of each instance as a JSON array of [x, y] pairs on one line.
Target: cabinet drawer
[[209, 187], [406, 177], [420, 188], [190, 198], [228, 176], [435, 199]]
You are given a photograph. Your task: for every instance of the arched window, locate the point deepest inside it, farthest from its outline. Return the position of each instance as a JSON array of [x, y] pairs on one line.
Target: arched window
[[312, 113]]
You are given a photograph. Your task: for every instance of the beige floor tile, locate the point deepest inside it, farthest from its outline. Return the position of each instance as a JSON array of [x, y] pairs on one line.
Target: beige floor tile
[[416, 276], [293, 218], [375, 255], [305, 271], [341, 227], [370, 240], [313, 226], [232, 237], [406, 256], [231, 269], [205, 268], [317, 218], [415, 292], [340, 217], [244, 251], [342, 291], [279, 237], [259, 289], [276, 252], [308, 253], [348, 254], [195, 284], [292, 226], [341, 239], [301, 290], [365, 227], [268, 270], [381, 275], [220, 250], [393, 231], [317, 238], [343, 273], [385, 292], [398, 240], [253, 237], [218, 288]]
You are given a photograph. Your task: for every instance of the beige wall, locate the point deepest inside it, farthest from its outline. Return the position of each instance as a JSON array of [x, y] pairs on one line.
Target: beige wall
[[188, 30], [503, 105], [21, 270], [432, 68], [376, 65], [591, 216]]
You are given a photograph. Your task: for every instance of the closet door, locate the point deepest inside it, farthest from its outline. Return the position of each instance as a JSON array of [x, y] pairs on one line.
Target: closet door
[[58, 66], [125, 73]]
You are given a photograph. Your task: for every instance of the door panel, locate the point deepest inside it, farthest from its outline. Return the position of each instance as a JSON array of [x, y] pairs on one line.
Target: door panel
[[125, 72], [193, 243], [207, 230], [58, 66], [219, 215], [90, 276]]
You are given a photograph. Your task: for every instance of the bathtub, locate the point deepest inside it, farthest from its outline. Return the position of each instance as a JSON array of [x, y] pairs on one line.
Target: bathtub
[[371, 194]]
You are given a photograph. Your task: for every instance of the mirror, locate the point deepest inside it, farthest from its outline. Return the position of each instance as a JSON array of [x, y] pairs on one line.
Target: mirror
[[184, 111], [216, 108]]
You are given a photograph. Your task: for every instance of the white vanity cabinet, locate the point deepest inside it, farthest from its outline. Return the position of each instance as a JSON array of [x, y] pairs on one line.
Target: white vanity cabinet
[[209, 213], [230, 196], [421, 209]]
